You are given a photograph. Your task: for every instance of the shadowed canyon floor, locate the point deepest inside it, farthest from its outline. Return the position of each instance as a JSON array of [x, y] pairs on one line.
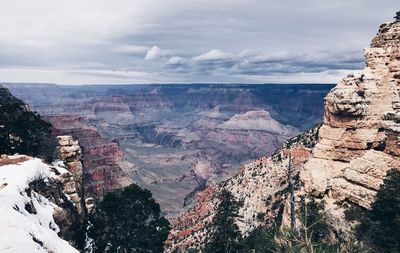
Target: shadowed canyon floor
[[173, 139]]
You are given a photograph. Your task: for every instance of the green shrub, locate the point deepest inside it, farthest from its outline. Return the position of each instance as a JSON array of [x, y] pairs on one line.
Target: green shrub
[[260, 240], [314, 220], [380, 227], [23, 131], [397, 17], [128, 220], [224, 235]]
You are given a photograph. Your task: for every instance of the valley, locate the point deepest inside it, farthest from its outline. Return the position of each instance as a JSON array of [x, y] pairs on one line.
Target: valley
[[173, 139]]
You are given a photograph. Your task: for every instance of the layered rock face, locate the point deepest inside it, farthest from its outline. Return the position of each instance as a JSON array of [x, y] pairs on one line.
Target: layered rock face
[[359, 139], [70, 152], [101, 159]]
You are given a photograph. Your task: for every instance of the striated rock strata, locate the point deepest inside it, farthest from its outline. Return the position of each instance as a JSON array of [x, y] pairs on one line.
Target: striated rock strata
[[176, 138], [101, 159], [359, 139]]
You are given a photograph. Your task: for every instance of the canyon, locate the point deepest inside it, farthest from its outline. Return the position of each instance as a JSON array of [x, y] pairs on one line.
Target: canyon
[[176, 139], [341, 163]]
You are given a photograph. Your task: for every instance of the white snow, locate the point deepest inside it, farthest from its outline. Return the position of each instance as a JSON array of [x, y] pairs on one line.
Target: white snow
[[19, 228]]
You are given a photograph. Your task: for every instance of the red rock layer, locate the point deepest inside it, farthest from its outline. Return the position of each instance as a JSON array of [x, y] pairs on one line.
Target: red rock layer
[[100, 157]]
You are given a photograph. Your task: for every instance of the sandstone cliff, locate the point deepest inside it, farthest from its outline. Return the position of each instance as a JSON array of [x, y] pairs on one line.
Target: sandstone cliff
[[344, 160], [358, 141]]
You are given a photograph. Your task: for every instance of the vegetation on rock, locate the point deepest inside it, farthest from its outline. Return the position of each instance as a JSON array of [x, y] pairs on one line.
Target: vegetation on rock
[[380, 226], [313, 220], [128, 220], [23, 131], [311, 238], [397, 17], [224, 235]]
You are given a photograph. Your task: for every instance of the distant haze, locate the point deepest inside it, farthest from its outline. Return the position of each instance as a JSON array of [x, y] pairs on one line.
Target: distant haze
[[186, 41]]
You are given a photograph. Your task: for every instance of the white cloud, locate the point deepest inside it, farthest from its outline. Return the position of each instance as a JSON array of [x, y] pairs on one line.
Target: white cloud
[[213, 55], [153, 53], [176, 60]]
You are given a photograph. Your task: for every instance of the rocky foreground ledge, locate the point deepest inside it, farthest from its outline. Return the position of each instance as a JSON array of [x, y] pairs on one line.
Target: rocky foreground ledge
[[42, 206]]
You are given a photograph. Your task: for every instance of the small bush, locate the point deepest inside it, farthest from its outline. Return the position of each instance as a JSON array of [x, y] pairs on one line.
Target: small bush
[[380, 227], [314, 220], [224, 235], [128, 220], [397, 17]]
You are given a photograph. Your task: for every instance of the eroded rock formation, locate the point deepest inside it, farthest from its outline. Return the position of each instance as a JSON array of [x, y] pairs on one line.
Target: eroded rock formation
[[101, 159], [358, 142], [70, 153]]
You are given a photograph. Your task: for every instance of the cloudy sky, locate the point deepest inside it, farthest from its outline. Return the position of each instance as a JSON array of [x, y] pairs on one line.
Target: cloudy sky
[[186, 41]]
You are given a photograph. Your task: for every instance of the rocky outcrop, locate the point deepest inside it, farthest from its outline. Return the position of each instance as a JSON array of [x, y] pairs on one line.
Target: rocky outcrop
[[39, 205], [70, 153], [100, 158], [66, 191], [358, 140], [260, 187]]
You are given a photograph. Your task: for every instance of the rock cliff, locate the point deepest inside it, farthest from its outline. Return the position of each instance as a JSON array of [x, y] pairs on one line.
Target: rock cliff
[[260, 187], [101, 159], [359, 139], [343, 160]]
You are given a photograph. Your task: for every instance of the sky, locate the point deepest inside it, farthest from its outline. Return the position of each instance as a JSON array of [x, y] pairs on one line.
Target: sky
[[186, 41]]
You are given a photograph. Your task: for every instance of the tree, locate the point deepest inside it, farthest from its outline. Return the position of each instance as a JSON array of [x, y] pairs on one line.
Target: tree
[[313, 220], [397, 17], [381, 226], [128, 220], [259, 240], [224, 235], [23, 131], [293, 226]]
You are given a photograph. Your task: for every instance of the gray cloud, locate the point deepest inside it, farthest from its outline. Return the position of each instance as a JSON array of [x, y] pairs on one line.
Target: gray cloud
[[266, 64], [84, 41]]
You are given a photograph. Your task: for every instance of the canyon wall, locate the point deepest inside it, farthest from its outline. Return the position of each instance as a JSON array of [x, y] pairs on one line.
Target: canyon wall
[[101, 159]]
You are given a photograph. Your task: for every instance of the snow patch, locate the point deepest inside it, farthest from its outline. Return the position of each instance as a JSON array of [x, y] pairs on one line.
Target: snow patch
[[26, 218]]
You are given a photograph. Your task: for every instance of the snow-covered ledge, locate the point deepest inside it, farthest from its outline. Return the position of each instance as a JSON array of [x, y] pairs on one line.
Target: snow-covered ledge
[[26, 217]]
